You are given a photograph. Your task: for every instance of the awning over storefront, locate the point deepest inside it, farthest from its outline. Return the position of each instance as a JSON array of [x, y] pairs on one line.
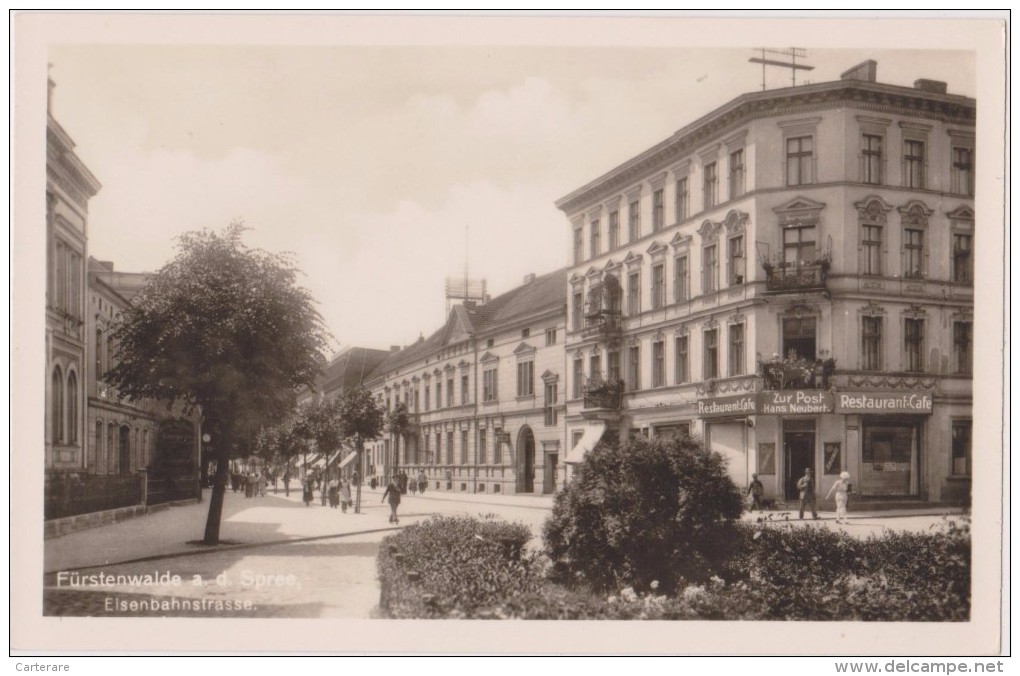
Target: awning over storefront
[[349, 459], [592, 433], [333, 457]]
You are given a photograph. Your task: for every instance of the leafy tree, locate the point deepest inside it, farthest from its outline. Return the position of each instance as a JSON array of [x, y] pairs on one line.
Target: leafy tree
[[398, 424], [226, 328], [644, 511], [320, 422], [361, 419]]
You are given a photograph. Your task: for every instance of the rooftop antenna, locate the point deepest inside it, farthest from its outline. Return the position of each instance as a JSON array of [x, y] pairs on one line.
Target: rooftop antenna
[[465, 289], [793, 53]]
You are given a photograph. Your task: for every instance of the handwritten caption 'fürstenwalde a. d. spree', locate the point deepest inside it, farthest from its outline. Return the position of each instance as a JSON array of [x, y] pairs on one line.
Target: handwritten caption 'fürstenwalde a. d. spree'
[[182, 589], [247, 579]]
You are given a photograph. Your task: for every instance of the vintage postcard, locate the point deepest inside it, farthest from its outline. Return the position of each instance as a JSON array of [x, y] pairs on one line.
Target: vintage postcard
[[439, 334]]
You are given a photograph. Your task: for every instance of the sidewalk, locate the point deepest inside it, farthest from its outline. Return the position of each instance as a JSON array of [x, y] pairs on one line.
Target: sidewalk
[[175, 531]]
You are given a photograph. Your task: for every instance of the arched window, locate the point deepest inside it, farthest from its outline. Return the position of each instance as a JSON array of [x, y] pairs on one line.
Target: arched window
[[57, 403], [111, 449], [72, 407]]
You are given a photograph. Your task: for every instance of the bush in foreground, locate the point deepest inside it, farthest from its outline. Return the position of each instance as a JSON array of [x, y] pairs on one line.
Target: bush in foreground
[[454, 567], [644, 511]]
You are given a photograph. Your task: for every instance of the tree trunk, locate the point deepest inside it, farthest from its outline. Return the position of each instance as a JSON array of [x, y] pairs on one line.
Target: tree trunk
[[357, 461], [212, 523]]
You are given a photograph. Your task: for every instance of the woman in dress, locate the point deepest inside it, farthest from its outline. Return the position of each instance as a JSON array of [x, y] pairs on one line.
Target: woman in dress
[[842, 490], [345, 493]]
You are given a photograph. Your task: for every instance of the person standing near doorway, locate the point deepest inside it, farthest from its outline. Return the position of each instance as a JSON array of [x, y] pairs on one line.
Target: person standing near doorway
[[806, 486], [756, 490]]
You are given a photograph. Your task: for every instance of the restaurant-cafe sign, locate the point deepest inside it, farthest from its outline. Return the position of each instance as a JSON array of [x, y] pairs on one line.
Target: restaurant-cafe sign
[[788, 402], [884, 402]]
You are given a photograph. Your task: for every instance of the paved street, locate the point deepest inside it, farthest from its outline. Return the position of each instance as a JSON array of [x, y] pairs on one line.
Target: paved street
[[280, 558]]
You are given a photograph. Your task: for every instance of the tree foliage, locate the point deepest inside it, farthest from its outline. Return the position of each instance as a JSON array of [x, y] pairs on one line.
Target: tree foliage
[[361, 418], [227, 328], [644, 511], [398, 421]]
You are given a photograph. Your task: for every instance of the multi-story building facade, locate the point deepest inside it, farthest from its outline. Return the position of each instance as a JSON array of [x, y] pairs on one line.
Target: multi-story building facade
[[484, 394], [69, 186], [789, 277]]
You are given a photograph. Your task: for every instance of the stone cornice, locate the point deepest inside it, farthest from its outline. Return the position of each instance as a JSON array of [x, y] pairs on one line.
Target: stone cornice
[[871, 97]]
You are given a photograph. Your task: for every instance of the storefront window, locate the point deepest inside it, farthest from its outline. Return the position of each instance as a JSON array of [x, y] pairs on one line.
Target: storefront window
[[889, 459]]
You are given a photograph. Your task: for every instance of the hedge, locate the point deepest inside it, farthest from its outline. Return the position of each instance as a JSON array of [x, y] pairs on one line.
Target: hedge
[[465, 568]]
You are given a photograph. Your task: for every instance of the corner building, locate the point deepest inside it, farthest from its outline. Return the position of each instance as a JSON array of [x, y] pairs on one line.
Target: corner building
[[790, 278]]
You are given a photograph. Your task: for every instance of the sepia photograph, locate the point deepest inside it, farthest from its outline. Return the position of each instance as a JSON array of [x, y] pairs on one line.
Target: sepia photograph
[[683, 333]]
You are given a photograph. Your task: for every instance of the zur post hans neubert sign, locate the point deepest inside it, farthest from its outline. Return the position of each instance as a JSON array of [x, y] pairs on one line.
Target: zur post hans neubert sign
[[793, 402], [884, 402]]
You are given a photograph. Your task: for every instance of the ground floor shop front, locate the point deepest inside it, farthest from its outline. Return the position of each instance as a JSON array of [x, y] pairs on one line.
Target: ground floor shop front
[[906, 446]]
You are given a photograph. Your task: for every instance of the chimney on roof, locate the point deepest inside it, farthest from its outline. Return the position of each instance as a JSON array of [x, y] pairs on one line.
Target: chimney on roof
[[529, 278], [933, 86], [866, 71]]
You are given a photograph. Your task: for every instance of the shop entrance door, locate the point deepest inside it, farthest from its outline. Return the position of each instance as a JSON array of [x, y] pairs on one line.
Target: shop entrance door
[[800, 454], [549, 482]]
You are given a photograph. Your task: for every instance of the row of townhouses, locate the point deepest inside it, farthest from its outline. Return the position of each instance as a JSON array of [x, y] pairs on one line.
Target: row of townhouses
[[789, 278], [102, 452]]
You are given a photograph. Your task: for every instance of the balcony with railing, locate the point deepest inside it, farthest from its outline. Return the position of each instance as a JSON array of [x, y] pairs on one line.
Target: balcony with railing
[[794, 276], [795, 373], [602, 393], [602, 315]]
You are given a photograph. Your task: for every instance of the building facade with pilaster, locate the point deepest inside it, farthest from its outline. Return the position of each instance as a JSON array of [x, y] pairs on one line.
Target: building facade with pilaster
[[484, 394], [789, 277]]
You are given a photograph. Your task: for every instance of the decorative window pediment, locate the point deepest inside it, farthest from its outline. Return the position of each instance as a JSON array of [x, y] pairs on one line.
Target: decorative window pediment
[[961, 213], [448, 368], [657, 181], [680, 241], [426, 376], [549, 377], [488, 357], [873, 209], [577, 220], [634, 193], [415, 379], [709, 154], [710, 323], [682, 330], [736, 318], [681, 169], [524, 349], [436, 372], [464, 364], [735, 222], [801, 311], [915, 213], [872, 309], [735, 141], [595, 213], [709, 231], [610, 266], [632, 259], [658, 336], [576, 280], [799, 211], [633, 341], [657, 250], [915, 312], [613, 203], [593, 274], [965, 314]]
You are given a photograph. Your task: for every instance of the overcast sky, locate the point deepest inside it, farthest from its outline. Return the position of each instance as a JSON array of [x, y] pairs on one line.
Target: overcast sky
[[372, 163]]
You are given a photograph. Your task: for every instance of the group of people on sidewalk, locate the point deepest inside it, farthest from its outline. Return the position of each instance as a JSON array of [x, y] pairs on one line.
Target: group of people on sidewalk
[[335, 490], [398, 485], [841, 488], [252, 484]]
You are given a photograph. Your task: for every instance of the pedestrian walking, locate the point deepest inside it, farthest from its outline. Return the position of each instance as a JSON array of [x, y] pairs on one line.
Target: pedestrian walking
[[334, 493], [842, 490], [806, 486], [345, 494], [249, 485], [309, 491], [403, 482], [422, 482], [262, 485], [755, 491], [286, 483], [235, 481], [393, 493], [324, 492]]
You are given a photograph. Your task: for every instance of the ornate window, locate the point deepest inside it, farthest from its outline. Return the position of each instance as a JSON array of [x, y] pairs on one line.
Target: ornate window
[[658, 210], [658, 285], [711, 185], [634, 220], [711, 365], [914, 217], [72, 407], [737, 173], [683, 199], [578, 245], [961, 448], [596, 234], [736, 357], [634, 368], [614, 229], [871, 159], [963, 340], [913, 344], [800, 160], [871, 343], [683, 361], [57, 406], [658, 363]]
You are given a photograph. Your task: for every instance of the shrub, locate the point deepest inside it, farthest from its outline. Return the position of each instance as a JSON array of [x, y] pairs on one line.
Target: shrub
[[644, 511], [454, 567]]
